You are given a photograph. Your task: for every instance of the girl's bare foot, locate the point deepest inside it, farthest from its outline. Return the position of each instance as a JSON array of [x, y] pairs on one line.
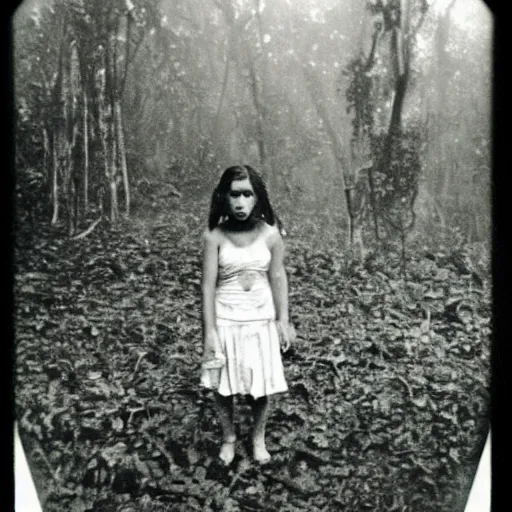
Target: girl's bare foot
[[227, 451], [260, 452]]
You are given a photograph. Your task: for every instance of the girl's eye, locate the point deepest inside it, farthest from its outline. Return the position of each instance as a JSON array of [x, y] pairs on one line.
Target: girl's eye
[[245, 193]]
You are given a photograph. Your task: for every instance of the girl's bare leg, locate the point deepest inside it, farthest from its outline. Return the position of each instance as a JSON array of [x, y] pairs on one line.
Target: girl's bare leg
[[260, 408], [225, 411]]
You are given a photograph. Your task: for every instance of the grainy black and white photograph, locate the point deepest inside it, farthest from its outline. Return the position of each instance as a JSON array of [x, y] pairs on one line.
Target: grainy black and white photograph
[[252, 256]]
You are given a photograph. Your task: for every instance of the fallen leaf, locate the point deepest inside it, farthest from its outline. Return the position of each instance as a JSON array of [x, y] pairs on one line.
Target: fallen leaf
[[420, 402], [117, 424]]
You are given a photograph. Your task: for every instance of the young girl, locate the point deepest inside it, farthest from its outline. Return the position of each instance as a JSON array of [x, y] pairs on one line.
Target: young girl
[[245, 304]]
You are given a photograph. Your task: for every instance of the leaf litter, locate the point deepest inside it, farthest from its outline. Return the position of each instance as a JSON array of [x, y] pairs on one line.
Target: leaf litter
[[388, 380]]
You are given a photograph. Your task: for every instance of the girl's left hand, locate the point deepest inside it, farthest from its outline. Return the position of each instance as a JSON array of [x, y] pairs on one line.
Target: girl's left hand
[[287, 335]]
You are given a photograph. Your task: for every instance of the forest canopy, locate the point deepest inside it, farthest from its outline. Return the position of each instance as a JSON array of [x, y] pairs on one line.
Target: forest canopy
[[341, 104]]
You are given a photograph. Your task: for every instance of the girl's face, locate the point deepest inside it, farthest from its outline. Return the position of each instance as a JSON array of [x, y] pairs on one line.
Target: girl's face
[[241, 199]]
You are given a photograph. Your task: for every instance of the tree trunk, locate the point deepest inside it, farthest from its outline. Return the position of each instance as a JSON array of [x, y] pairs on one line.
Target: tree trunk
[[395, 123], [122, 156], [73, 185], [442, 69], [106, 161], [59, 131], [355, 209], [114, 204], [403, 258], [110, 141], [215, 134], [259, 116], [356, 194], [71, 200], [55, 184], [374, 205], [262, 116], [47, 159], [86, 151], [68, 147]]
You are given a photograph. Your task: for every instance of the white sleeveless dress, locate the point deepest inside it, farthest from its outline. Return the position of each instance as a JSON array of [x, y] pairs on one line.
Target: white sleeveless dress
[[246, 324]]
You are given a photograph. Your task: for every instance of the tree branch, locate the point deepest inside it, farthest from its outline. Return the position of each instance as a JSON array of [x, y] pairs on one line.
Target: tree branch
[[371, 57], [127, 50], [424, 9], [89, 230]]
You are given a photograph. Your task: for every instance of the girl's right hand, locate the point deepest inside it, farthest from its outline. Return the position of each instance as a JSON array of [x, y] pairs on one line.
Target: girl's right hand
[[212, 350]]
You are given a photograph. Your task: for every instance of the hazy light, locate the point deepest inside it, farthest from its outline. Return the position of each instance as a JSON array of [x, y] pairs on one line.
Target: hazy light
[[315, 14], [467, 14]]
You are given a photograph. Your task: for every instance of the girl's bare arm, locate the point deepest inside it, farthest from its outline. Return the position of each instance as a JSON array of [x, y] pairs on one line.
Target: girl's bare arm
[[277, 277], [208, 283]]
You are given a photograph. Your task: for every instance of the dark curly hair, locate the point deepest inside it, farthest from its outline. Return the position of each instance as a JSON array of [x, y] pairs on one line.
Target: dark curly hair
[[262, 210]]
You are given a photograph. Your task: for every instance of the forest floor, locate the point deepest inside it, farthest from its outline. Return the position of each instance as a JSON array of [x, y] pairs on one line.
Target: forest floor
[[388, 381]]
